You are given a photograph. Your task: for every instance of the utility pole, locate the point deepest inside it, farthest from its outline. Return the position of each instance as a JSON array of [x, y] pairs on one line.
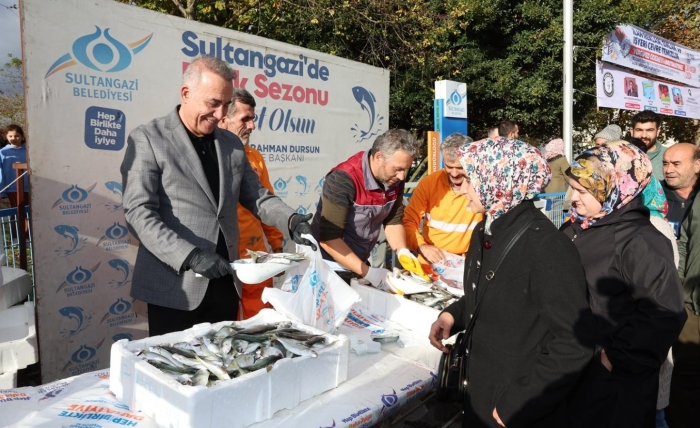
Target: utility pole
[[568, 122]]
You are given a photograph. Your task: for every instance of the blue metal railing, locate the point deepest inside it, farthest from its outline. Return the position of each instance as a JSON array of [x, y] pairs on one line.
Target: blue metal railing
[[552, 205]]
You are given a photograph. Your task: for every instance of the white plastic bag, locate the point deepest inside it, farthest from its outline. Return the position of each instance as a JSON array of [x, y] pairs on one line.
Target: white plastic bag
[[450, 271], [312, 293]]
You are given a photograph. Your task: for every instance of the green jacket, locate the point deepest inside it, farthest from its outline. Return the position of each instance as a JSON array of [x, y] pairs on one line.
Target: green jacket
[[689, 257]]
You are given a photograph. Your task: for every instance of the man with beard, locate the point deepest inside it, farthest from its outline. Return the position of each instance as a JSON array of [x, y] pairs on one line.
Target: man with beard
[[646, 125], [361, 195], [447, 222], [681, 167]]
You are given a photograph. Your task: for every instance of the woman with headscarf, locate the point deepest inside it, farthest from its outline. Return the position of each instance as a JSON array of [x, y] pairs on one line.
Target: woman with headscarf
[[634, 290], [554, 153], [525, 354]]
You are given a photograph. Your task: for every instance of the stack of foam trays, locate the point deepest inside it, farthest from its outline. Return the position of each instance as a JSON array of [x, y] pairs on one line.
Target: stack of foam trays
[[18, 343]]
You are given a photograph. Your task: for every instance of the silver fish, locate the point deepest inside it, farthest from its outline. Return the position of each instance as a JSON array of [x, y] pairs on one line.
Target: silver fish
[[201, 378], [283, 258], [216, 371], [264, 362], [296, 348], [264, 328]]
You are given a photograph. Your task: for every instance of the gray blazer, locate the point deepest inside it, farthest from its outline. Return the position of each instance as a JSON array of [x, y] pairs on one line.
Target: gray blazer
[[170, 208]]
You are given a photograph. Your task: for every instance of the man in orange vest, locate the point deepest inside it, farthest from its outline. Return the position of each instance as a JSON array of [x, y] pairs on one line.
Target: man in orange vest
[[240, 120], [447, 223]]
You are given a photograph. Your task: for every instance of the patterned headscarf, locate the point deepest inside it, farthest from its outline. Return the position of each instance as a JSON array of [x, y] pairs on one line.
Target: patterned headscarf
[[554, 148], [503, 172], [613, 173]]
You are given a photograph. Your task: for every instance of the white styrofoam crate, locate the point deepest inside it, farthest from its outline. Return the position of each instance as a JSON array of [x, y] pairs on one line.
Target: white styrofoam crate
[[18, 345], [239, 402], [16, 286], [411, 315], [8, 380]]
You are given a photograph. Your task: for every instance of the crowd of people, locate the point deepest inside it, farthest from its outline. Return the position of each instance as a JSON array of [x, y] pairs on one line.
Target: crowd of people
[[574, 326], [593, 325]]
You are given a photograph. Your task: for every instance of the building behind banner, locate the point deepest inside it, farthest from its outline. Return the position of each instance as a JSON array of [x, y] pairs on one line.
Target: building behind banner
[[115, 67]]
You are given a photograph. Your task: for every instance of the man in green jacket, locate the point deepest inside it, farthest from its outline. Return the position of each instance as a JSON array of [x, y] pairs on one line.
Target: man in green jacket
[[683, 409]]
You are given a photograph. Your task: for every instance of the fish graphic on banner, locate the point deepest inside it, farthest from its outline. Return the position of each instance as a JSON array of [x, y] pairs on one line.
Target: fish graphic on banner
[[80, 320], [122, 266], [115, 188], [367, 101], [304, 187], [76, 242]]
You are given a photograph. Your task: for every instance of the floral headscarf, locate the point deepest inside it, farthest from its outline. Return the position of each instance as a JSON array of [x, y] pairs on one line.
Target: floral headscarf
[[554, 148], [503, 172], [613, 173]]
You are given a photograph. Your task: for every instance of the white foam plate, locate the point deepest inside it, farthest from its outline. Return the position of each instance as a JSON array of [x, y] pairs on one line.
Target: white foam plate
[[253, 273]]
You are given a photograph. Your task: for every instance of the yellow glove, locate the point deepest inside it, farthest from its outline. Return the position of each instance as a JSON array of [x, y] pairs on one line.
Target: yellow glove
[[411, 263]]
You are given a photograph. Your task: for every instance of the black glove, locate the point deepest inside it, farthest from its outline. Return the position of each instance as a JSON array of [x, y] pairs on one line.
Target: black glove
[[298, 225], [210, 265]]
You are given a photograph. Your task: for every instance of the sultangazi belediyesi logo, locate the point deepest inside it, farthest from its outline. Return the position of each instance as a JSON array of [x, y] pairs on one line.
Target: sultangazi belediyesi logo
[[100, 51]]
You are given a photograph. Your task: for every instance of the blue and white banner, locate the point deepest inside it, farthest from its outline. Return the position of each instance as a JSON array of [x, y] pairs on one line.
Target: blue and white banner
[[632, 47], [115, 67], [618, 88]]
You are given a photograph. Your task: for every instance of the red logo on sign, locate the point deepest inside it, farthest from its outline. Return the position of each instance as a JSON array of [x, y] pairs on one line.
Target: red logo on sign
[[666, 110], [633, 105]]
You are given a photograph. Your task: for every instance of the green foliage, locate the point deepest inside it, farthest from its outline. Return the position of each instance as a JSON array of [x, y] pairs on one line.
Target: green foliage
[[11, 99], [508, 51]]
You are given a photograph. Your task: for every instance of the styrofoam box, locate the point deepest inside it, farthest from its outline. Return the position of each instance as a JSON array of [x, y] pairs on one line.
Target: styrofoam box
[[8, 380], [409, 314], [240, 402], [18, 347], [15, 287]]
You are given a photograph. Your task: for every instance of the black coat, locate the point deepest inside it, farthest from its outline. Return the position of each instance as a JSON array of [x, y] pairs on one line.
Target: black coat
[[526, 354], [637, 302]]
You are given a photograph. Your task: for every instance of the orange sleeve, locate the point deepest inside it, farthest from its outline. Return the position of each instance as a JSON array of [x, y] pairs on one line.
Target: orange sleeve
[[414, 212]]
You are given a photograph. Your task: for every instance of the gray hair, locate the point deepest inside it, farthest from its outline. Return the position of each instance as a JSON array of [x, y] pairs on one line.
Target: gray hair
[[395, 139], [193, 74], [452, 143], [242, 96]]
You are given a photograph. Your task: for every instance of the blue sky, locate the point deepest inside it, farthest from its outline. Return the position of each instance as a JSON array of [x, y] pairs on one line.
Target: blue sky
[[9, 32]]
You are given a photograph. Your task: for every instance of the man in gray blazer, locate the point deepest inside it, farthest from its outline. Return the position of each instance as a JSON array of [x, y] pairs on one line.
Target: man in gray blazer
[[182, 180]]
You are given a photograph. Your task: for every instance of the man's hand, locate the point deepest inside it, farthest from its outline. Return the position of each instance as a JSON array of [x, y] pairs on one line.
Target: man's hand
[[605, 361], [376, 276], [299, 225], [440, 330], [210, 265], [431, 253], [498, 419]]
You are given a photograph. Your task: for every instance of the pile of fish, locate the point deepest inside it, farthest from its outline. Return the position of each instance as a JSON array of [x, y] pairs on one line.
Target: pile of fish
[[437, 297], [281, 258], [233, 351]]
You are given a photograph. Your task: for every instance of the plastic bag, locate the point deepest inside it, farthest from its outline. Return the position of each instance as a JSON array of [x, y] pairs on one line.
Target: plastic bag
[[312, 293], [450, 270]]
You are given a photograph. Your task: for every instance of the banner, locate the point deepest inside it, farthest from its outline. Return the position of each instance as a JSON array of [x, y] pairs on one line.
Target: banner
[[115, 67], [632, 47], [433, 151], [617, 88]]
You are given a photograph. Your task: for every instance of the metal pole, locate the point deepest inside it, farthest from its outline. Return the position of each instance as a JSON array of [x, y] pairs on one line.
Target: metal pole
[[568, 77]]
